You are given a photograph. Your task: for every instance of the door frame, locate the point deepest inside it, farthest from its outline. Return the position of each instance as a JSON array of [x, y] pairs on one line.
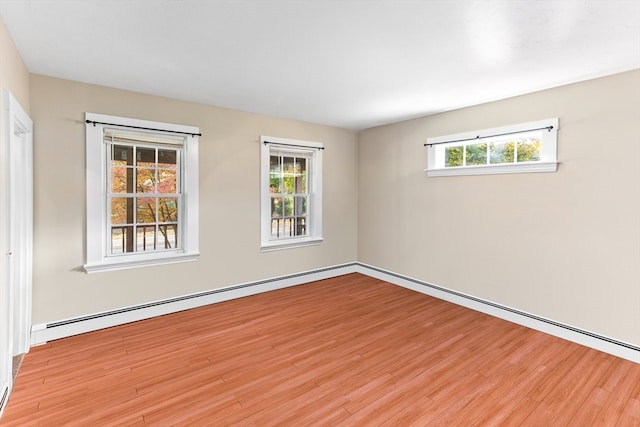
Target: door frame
[[17, 246], [20, 185]]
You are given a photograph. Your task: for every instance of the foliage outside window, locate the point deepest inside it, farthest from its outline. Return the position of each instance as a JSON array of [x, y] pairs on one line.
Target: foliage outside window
[[490, 151], [291, 193], [510, 150], [145, 195], [142, 193]]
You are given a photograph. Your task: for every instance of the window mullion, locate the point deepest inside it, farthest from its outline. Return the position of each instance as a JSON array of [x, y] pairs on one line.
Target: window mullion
[[108, 241], [156, 192], [134, 180], [488, 143]]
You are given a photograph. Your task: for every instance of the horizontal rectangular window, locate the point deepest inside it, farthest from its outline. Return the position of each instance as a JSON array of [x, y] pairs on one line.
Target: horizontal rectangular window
[[526, 147]]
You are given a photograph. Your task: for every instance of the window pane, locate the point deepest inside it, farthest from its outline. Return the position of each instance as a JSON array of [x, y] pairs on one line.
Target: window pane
[[121, 155], [288, 206], [167, 159], [121, 210], [146, 157], [501, 152], [289, 184], [277, 227], [275, 175], [288, 171], [168, 236], [453, 156], [300, 226], [121, 238], [168, 209], [167, 183], [119, 179], [476, 154], [145, 180], [146, 238], [529, 150], [300, 206], [146, 210], [288, 165], [275, 183], [301, 176], [277, 207]]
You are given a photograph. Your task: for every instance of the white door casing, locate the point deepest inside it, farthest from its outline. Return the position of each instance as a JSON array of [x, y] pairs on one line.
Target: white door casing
[[17, 242]]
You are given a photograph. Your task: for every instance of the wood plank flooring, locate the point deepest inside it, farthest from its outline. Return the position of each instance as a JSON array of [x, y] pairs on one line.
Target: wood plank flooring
[[348, 351]]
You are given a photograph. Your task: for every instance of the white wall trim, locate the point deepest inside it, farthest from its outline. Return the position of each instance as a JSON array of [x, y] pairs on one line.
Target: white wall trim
[[44, 332], [580, 336], [41, 333], [495, 169]]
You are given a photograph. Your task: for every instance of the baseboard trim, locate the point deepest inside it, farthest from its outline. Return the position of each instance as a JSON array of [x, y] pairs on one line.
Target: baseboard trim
[[44, 332], [561, 330]]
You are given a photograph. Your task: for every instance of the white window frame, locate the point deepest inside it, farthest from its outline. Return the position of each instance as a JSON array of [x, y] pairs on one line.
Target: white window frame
[[548, 156], [98, 243], [314, 151]]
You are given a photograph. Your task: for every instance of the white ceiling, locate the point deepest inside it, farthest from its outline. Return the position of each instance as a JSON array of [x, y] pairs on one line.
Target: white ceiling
[[349, 63]]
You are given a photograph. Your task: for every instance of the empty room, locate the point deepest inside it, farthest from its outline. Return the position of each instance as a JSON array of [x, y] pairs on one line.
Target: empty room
[[320, 213]]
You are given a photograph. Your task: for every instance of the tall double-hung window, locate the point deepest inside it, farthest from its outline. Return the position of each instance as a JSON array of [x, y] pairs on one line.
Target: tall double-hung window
[[142, 193], [291, 193]]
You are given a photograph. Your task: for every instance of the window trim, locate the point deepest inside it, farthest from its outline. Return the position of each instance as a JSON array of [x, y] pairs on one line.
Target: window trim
[[548, 157], [315, 149], [97, 258]]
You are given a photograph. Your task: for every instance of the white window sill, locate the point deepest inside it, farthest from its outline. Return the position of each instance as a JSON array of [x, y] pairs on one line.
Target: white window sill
[[494, 169], [278, 245], [113, 264]]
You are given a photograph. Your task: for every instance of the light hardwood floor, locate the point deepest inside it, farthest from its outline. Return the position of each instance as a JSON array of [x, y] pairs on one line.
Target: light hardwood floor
[[347, 351]]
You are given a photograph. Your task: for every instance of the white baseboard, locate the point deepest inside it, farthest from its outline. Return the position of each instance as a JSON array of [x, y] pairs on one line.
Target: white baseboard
[[44, 332], [551, 327]]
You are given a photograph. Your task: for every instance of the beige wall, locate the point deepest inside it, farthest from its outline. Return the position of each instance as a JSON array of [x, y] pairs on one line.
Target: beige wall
[[564, 245], [14, 75], [229, 200], [14, 78]]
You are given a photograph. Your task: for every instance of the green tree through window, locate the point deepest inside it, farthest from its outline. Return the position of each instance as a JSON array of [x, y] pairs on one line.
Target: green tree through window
[[499, 152]]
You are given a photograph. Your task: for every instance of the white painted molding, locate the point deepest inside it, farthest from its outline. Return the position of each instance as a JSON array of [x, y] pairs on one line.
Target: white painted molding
[[570, 333], [44, 332], [41, 333], [495, 169]]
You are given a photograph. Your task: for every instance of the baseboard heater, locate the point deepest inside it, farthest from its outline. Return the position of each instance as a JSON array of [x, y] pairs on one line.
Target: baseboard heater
[[3, 401], [42, 333], [590, 339], [55, 330]]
